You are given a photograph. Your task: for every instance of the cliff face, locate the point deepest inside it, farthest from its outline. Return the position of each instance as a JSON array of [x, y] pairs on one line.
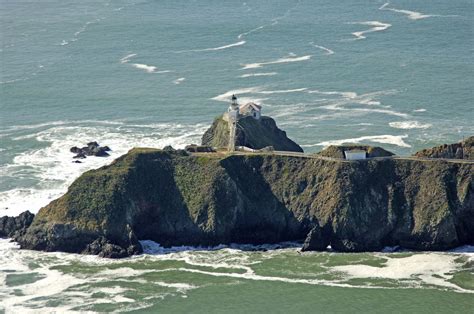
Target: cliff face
[[196, 200], [251, 133], [461, 150]]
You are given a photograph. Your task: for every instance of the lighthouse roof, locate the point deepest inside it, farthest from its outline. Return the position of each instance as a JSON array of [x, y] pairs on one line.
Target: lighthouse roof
[[249, 107]]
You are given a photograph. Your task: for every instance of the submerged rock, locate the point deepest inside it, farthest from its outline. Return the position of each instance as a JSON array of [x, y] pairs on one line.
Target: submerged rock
[[250, 133]]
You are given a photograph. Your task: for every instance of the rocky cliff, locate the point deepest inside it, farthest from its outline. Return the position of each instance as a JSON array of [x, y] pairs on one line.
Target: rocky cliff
[[206, 200], [461, 150], [251, 133]]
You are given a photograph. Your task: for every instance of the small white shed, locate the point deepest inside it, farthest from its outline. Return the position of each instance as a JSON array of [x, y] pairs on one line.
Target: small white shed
[[355, 154]]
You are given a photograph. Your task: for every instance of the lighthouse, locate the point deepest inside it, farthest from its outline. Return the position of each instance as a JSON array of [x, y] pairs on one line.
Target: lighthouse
[[233, 116]]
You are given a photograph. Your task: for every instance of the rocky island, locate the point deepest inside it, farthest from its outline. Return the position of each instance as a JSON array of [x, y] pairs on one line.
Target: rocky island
[[175, 197]]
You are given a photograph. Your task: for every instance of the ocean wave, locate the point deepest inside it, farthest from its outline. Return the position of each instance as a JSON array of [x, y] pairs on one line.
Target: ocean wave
[[127, 58], [283, 91], [327, 50], [376, 27], [272, 22], [145, 67], [410, 125], [412, 15], [397, 140], [227, 95], [259, 74], [277, 61], [419, 110], [239, 43], [179, 80]]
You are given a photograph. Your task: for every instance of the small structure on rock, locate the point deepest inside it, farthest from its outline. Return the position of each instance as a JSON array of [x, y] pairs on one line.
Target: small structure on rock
[[355, 154]]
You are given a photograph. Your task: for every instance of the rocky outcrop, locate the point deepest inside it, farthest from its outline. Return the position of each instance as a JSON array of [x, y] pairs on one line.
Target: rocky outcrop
[[15, 226], [176, 199], [338, 151], [461, 150], [92, 149], [250, 133]]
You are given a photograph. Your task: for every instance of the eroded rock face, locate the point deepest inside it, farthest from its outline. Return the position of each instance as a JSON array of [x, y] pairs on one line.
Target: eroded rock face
[[176, 199], [250, 133], [461, 150], [316, 240], [11, 226]]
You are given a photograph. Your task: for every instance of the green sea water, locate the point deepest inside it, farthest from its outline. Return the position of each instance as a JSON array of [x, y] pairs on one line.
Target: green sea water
[[156, 73], [238, 279]]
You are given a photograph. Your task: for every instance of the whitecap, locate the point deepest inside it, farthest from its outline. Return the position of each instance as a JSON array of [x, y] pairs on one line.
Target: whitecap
[[284, 91], [397, 140], [179, 80], [147, 68], [227, 95], [327, 50], [410, 125], [288, 59], [127, 58], [419, 110], [259, 74], [412, 15], [376, 27], [239, 43]]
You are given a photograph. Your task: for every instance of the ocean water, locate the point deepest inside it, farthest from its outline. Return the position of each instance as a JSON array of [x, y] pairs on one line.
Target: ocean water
[[398, 74]]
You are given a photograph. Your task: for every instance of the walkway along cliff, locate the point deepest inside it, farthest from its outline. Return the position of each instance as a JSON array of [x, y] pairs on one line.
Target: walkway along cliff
[[206, 199]]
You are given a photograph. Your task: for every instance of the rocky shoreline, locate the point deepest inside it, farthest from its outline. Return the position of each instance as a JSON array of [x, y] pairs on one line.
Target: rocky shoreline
[[204, 199]]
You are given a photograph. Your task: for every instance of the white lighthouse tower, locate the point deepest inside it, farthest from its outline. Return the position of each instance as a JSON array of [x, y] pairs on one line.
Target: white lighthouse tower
[[233, 115]]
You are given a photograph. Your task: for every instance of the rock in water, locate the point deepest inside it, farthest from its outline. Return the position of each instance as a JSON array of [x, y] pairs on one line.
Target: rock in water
[[316, 240], [251, 133], [92, 149], [11, 226]]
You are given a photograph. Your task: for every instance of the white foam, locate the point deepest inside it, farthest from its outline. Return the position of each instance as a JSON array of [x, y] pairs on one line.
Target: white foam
[[412, 15], [419, 110], [277, 61], [227, 95], [284, 91], [410, 125], [385, 139], [147, 68], [272, 22], [127, 58], [376, 27], [432, 268], [239, 43], [259, 74], [179, 80], [327, 50]]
